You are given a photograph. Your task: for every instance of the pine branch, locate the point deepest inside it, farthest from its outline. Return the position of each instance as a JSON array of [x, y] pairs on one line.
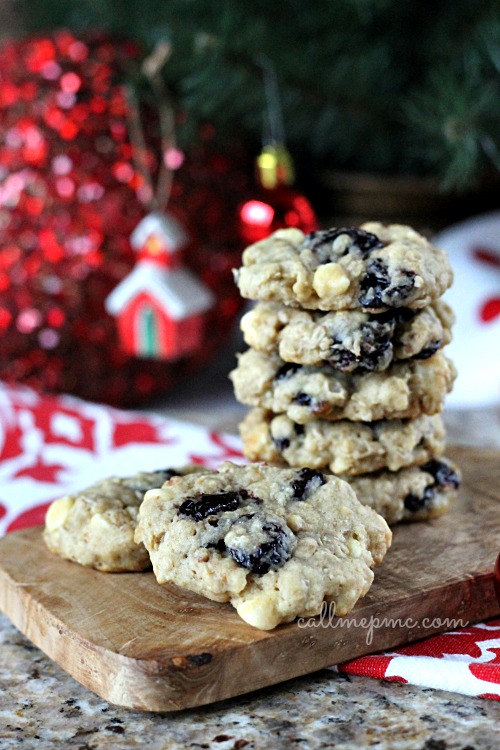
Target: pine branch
[[377, 85]]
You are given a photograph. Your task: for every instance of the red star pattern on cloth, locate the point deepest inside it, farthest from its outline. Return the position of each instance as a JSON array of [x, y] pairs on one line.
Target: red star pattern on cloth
[[370, 666], [64, 426], [467, 642], [33, 517], [227, 450], [137, 432], [465, 660], [11, 444], [490, 309], [41, 471]]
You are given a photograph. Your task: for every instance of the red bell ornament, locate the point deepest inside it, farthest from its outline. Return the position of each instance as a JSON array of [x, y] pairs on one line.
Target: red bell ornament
[[277, 205]]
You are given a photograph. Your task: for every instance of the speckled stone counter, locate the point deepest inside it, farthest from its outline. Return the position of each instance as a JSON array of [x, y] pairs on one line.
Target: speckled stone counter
[[42, 707]]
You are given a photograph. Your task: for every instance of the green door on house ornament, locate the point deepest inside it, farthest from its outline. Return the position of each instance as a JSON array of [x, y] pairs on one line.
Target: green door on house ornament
[[148, 340]]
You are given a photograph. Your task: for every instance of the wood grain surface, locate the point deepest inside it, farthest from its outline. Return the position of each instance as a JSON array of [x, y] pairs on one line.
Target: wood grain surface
[[159, 648]]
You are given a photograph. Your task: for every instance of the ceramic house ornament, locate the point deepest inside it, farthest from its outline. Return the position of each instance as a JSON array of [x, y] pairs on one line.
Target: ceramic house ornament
[[158, 234], [159, 307]]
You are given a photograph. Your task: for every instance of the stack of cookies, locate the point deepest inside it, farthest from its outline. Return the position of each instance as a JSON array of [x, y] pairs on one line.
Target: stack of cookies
[[346, 371]]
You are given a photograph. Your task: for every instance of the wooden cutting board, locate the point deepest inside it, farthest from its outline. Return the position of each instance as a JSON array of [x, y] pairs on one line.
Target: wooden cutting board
[[145, 646]]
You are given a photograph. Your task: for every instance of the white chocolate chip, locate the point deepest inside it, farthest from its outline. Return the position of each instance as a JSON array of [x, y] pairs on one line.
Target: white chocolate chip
[[101, 520], [58, 512], [355, 548], [395, 393], [260, 612], [307, 547], [341, 244], [295, 522], [201, 555], [330, 280]]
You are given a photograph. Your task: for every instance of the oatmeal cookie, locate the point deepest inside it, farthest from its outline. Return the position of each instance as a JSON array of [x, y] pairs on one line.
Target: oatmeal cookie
[[274, 542], [348, 340], [95, 527], [306, 392], [413, 494], [344, 447], [373, 267]]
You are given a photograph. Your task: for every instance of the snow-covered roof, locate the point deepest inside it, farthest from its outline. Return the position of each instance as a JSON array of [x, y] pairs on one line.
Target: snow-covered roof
[[158, 223], [178, 290]]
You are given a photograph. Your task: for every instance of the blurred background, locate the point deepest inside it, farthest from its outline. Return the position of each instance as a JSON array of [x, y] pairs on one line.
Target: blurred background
[[226, 121]]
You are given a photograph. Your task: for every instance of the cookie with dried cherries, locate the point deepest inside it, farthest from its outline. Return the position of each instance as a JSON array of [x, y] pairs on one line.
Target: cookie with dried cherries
[[343, 447], [418, 493], [348, 340], [276, 543], [373, 267], [95, 526], [306, 392]]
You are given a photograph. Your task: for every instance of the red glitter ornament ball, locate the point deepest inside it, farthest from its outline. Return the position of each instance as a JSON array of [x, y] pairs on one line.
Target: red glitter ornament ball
[[70, 197], [275, 209], [277, 205]]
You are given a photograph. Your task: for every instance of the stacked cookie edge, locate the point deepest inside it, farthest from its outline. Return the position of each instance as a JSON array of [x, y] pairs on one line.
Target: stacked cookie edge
[[357, 391]]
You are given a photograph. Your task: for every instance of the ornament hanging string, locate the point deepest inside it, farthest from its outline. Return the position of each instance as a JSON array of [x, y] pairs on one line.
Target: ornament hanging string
[[277, 206], [275, 163], [160, 305], [154, 199], [273, 128]]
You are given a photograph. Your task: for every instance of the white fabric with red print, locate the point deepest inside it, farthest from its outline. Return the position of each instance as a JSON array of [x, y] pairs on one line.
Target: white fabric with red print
[[474, 250]]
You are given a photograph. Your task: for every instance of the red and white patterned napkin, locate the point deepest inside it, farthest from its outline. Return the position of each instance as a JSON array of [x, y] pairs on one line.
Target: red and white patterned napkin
[[51, 445]]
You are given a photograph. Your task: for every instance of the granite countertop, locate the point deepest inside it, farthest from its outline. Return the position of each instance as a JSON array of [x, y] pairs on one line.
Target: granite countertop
[[42, 707]]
